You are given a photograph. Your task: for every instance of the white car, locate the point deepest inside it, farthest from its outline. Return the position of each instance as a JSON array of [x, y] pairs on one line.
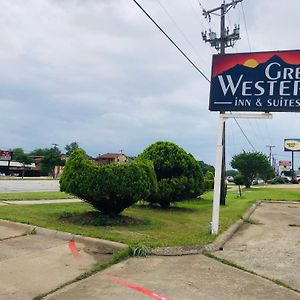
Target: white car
[[229, 178], [286, 177], [258, 181]]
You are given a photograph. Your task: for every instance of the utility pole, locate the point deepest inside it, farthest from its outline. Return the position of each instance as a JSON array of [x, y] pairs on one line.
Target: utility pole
[[270, 152], [225, 40]]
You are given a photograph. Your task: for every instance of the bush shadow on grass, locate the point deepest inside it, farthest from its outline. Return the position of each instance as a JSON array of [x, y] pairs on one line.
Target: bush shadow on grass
[[172, 208], [95, 218]]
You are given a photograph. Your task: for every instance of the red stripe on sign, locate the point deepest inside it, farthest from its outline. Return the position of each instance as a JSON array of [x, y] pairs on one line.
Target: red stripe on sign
[[137, 288], [74, 250]]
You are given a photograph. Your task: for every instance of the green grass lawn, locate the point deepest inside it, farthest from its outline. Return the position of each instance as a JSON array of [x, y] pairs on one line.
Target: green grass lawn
[[186, 223], [34, 196]]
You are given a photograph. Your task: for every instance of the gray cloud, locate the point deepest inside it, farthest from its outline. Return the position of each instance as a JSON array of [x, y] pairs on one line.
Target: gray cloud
[[98, 72]]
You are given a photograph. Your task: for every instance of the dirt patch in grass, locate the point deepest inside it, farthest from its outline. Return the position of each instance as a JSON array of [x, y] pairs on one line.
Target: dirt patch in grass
[[94, 218]]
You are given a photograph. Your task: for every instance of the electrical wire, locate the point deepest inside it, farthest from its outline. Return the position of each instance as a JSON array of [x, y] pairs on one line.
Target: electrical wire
[[167, 36], [189, 60], [197, 14], [244, 17], [203, 9], [181, 31], [246, 137]]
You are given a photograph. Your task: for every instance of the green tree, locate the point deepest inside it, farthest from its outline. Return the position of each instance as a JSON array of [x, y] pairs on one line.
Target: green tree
[[208, 182], [252, 165], [206, 167], [239, 180], [71, 147], [178, 174], [51, 158], [231, 173], [20, 156], [39, 152]]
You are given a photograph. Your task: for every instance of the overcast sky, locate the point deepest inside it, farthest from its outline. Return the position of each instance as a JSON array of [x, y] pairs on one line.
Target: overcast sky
[[98, 72]]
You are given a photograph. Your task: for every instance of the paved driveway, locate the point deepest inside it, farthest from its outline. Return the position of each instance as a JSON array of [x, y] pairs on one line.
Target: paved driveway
[[28, 185], [270, 245]]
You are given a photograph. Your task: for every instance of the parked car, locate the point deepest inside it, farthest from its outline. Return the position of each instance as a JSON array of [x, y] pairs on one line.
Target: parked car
[[2, 174], [278, 180], [258, 181], [288, 178], [229, 179]]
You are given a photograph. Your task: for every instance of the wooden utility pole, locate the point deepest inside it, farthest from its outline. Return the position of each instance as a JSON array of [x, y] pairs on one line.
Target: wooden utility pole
[[226, 40]]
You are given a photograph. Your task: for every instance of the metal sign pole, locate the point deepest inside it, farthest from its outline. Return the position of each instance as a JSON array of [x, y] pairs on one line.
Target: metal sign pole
[[218, 177], [219, 159]]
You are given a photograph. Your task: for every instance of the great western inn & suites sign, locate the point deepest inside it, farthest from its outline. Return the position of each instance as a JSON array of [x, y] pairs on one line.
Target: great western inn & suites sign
[[263, 81]]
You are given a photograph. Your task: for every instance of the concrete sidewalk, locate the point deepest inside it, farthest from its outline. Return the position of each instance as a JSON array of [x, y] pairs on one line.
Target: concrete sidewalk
[[36, 263], [191, 277], [32, 202]]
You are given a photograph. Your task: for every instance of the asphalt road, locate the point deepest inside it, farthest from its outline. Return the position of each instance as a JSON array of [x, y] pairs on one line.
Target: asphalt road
[[28, 185]]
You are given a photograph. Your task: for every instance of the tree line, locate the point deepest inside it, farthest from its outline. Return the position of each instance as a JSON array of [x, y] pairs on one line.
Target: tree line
[[51, 157]]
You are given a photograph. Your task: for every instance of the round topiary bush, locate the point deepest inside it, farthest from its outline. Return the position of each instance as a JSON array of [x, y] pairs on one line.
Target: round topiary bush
[[178, 174], [109, 188]]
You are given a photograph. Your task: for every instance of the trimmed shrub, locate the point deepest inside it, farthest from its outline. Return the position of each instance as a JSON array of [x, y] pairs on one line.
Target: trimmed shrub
[[208, 183], [178, 174], [239, 180], [109, 188]]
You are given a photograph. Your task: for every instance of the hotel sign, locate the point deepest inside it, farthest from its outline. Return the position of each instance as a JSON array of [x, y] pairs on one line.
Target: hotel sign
[[264, 81]]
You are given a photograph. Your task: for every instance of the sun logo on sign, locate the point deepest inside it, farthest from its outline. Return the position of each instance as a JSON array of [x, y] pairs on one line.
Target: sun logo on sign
[[250, 63]]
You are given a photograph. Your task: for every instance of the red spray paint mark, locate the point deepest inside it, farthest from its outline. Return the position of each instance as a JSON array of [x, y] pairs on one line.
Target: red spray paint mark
[[137, 288], [74, 250]]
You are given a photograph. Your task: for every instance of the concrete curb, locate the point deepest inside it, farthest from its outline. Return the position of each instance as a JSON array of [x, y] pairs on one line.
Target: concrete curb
[[105, 246], [223, 238], [214, 246], [273, 201], [177, 251]]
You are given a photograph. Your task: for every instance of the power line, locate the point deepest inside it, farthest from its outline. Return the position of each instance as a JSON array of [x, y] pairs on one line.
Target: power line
[[189, 60], [200, 4], [198, 16], [246, 137], [180, 30], [167, 36], [244, 17], [203, 9]]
